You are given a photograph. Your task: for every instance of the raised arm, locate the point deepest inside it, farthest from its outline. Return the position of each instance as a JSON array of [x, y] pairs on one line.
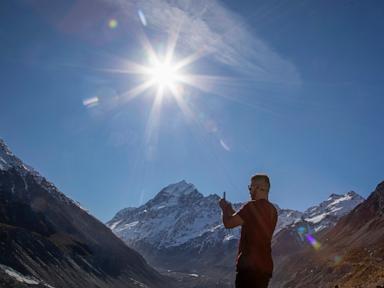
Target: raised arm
[[230, 219]]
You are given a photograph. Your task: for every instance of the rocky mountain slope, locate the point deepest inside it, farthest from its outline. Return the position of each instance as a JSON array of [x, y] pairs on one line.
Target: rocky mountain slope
[[350, 254], [48, 240]]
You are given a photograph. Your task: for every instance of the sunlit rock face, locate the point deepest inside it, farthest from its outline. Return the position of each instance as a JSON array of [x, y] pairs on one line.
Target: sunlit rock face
[[48, 239], [181, 230]]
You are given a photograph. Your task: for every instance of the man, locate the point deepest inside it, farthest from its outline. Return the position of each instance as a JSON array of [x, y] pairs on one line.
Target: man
[[258, 219]]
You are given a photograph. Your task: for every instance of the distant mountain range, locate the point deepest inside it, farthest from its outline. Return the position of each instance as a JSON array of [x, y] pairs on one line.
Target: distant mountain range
[[179, 213], [181, 230], [48, 240]]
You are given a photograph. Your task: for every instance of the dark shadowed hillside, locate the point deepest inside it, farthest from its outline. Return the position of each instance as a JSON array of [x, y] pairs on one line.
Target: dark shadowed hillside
[[48, 239]]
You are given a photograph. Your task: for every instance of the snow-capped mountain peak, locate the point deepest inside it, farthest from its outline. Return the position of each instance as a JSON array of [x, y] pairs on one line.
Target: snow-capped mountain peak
[[10, 161], [179, 189], [180, 215], [327, 212], [175, 194], [342, 197], [177, 214]]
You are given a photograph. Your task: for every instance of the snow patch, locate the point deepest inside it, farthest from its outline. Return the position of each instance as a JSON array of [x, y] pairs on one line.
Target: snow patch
[[22, 278], [316, 219], [229, 237], [139, 284], [113, 225], [130, 225]]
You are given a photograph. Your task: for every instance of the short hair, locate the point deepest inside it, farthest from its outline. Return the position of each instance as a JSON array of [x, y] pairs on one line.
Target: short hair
[[262, 176]]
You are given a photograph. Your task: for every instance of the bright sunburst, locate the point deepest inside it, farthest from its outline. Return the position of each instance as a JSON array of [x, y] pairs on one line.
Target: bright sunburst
[[163, 72], [164, 75], [168, 75]]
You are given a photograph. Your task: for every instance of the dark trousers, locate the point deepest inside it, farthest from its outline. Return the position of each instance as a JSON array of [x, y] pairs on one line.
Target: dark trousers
[[252, 279]]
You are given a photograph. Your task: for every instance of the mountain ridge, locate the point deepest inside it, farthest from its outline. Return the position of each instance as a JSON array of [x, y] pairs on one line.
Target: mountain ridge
[[287, 216], [47, 237]]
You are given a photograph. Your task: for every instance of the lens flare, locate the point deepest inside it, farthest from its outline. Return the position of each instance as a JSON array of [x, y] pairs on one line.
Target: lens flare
[[301, 230], [90, 102], [112, 23], [142, 18], [224, 145], [337, 259], [315, 244]]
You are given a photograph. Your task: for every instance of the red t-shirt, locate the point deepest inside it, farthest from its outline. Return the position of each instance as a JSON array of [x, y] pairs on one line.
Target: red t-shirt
[[254, 253]]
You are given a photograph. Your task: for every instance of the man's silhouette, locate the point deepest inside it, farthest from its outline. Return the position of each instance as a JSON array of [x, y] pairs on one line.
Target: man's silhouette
[[258, 219]]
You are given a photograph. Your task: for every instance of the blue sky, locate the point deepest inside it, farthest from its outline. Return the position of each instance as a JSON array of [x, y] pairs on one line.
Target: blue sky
[[293, 89]]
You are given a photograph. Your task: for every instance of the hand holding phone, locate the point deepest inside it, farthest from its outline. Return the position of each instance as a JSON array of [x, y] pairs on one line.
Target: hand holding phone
[[223, 202]]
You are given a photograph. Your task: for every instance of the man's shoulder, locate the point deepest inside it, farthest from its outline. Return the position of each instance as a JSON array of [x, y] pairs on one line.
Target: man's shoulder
[[263, 203]]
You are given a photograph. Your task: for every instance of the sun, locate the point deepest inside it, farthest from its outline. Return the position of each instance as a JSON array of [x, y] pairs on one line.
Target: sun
[[164, 75], [165, 72]]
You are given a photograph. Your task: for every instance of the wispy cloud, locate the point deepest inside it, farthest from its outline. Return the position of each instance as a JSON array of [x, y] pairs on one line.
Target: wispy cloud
[[210, 27]]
